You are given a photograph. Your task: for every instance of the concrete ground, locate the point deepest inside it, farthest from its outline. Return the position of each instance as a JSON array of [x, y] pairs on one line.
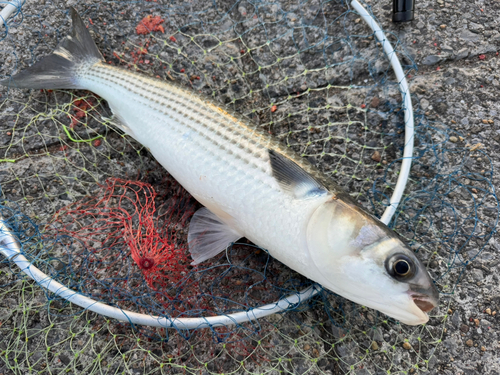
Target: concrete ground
[[455, 46]]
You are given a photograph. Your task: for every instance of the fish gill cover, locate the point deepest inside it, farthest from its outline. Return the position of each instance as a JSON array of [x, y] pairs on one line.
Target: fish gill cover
[[96, 212]]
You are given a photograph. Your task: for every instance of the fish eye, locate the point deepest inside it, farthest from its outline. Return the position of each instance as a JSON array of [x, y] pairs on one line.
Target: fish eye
[[400, 266]]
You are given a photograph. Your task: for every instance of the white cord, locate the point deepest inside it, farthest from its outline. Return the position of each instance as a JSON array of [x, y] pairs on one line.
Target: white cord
[[8, 10]]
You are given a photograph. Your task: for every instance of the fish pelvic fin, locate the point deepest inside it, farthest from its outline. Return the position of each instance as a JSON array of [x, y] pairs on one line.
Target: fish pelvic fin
[[64, 67], [208, 235]]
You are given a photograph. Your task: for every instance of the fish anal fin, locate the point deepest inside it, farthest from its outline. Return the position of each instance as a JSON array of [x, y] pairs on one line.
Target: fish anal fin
[[208, 235], [293, 179]]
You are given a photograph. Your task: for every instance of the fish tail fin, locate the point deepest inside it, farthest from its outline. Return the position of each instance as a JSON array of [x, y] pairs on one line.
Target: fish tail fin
[[64, 67]]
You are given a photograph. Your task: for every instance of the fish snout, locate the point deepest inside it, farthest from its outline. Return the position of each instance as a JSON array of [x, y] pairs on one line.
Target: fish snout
[[426, 299]]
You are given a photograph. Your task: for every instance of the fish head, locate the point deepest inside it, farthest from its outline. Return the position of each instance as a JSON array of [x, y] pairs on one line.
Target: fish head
[[359, 258]]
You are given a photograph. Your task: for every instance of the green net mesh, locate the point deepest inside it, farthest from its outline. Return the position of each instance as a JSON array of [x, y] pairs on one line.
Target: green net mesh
[[89, 204]]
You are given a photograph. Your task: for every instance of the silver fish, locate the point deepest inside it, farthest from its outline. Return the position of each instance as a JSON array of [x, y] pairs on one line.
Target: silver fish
[[251, 185]]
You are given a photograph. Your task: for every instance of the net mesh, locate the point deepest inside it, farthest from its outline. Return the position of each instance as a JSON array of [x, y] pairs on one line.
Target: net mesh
[[95, 211]]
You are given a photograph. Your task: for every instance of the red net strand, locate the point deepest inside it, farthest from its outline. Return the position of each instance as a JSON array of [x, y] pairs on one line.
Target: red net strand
[[124, 214]]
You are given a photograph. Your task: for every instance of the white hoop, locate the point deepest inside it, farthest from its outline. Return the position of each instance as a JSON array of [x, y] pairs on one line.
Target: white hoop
[[8, 10], [10, 247]]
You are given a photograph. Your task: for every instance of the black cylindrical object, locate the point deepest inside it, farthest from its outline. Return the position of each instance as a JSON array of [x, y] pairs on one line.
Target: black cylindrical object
[[403, 10]]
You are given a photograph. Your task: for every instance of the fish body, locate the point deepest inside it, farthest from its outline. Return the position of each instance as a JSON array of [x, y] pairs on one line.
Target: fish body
[[220, 158], [251, 185]]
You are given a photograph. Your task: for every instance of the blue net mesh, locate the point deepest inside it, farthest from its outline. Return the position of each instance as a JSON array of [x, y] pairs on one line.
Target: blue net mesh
[[313, 75]]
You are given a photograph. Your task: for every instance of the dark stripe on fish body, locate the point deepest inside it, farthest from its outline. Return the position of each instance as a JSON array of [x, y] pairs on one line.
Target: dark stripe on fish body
[[211, 130], [170, 95], [214, 126]]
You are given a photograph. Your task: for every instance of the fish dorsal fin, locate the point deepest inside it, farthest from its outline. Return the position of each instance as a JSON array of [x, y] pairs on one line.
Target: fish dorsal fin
[[208, 235], [293, 179]]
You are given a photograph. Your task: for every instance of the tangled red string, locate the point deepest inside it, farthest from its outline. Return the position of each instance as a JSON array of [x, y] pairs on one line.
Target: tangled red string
[[125, 214]]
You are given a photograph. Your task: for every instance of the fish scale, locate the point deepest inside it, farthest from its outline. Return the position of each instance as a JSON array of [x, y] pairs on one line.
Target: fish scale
[[249, 183]]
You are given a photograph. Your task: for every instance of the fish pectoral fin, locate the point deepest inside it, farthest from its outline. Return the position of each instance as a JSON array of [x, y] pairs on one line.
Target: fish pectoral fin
[[293, 179], [208, 235]]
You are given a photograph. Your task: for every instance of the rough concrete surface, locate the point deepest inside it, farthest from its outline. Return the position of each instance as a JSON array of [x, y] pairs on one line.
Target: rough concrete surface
[[455, 44]]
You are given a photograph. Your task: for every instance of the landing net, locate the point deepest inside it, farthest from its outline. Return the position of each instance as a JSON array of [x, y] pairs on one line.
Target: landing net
[[93, 210]]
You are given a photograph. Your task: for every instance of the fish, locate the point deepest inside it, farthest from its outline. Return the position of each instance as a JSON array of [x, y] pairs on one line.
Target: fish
[[250, 185]]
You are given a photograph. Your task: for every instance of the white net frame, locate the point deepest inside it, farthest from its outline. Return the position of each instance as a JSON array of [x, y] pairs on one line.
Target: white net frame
[[12, 250]]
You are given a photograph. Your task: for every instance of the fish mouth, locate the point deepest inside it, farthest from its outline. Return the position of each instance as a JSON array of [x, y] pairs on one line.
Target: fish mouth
[[424, 302]]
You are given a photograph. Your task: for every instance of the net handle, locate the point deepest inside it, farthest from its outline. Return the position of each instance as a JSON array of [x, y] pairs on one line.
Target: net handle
[[11, 249]]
